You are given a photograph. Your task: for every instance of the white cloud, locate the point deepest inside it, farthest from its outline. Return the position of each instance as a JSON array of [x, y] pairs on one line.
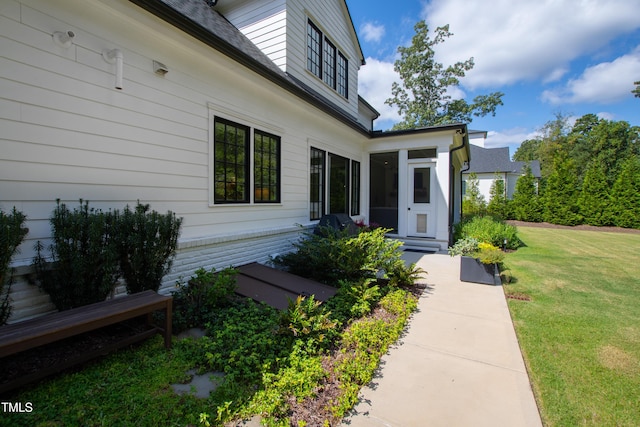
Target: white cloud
[[516, 40], [606, 82], [374, 84], [372, 32], [511, 138], [605, 115]]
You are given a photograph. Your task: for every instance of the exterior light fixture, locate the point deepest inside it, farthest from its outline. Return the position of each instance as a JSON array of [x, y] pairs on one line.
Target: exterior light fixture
[[63, 38]]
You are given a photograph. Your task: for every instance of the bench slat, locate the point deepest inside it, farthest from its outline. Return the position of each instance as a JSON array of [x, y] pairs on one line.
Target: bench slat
[[46, 329]]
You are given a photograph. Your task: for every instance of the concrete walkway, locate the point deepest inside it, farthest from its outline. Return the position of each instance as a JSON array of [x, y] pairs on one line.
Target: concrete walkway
[[458, 365]]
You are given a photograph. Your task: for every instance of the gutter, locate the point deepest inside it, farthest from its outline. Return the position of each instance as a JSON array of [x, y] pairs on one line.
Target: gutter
[[465, 144]]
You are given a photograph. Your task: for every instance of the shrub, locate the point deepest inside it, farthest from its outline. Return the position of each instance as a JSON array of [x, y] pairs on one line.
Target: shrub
[[489, 254], [205, 292], [84, 255], [488, 229], [306, 318], [147, 243], [335, 255], [473, 203], [12, 232]]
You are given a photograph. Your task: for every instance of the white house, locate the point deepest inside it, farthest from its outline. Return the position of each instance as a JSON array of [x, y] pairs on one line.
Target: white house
[[115, 101], [490, 164]]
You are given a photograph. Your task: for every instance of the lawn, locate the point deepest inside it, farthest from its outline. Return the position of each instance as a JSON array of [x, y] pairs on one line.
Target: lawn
[[580, 330]]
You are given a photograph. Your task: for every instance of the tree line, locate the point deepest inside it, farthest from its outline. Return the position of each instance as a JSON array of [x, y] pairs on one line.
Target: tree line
[[590, 175]]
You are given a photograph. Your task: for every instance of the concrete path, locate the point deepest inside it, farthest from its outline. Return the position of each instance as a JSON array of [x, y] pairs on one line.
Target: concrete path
[[458, 365]]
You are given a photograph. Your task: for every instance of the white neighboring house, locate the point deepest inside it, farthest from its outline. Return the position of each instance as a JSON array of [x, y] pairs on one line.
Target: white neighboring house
[[489, 163], [114, 101]]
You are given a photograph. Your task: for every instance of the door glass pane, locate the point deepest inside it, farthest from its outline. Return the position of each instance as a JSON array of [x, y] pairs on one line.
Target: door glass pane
[[421, 223], [421, 185]]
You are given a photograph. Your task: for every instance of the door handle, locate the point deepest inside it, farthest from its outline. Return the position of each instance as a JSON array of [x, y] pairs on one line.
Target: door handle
[[408, 209]]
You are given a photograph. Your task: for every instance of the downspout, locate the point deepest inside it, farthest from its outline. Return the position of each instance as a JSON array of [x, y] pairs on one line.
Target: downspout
[[452, 180]]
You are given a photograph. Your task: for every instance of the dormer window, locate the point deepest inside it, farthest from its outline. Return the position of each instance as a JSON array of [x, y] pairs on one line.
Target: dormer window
[[325, 61]]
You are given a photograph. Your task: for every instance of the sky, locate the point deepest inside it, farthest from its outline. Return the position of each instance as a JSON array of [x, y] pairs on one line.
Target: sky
[[548, 57]]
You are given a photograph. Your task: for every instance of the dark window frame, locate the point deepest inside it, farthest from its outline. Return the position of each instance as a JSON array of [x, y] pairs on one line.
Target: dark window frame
[[326, 61], [317, 183], [343, 75], [314, 49], [355, 188], [231, 166], [266, 167], [329, 63]]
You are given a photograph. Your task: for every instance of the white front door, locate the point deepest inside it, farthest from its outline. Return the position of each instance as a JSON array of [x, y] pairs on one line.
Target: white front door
[[421, 219]]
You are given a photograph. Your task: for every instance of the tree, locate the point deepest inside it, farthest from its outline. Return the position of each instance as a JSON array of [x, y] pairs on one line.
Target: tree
[[593, 200], [473, 203], [498, 198], [423, 98], [636, 91], [561, 195], [525, 205], [625, 195], [527, 151]]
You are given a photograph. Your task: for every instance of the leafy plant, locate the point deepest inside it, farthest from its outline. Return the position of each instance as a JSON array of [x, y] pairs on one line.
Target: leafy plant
[[355, 299], [147, 243], [485, 252], [334, 255], [464, 247], [488, 229], [489, 254], [12, 233], [306, 318], [84, 256], [206, 291], [401, 274], [473, 203]]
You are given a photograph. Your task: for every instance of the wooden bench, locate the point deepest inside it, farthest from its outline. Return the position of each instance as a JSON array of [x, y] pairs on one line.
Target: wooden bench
[[18, 337]]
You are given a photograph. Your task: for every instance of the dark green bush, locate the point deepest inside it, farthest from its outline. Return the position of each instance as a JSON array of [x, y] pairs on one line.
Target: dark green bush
[[488, 229], [84, 257], [147, 243], [12, 232], [335, 255], [205, 292]]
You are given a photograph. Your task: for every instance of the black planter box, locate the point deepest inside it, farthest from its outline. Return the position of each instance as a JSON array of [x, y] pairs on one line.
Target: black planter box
[[472, 270]]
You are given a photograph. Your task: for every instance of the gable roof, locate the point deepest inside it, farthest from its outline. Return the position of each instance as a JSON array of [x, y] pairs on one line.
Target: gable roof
[[199, 20], [491, 160]]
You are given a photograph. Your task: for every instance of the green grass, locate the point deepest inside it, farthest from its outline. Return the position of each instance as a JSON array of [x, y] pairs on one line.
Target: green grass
[[580, 332]]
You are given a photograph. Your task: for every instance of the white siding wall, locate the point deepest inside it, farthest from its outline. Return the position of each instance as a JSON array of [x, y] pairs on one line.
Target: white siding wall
[[439, 140], [330, 18], [264, 23], [68, 134]]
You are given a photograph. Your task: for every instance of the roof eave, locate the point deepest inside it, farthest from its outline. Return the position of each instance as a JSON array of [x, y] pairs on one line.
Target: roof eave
[[178, 20]]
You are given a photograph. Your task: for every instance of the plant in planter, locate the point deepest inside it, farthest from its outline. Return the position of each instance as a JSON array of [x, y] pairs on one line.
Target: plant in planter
[[479, 260]]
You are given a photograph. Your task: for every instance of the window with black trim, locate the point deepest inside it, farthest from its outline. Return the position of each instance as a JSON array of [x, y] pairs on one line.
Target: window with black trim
[[329, 64], [343, 76], [355, 188], [316, 183], [325, 61], [314, 49], [337, 178], [231, 162], [266, 175]]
